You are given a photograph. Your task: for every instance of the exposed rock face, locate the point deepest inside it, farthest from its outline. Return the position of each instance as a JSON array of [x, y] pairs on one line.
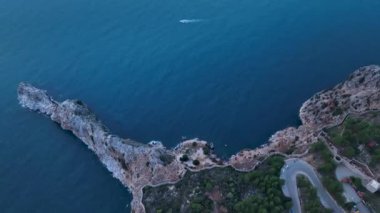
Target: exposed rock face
[[36, 99], [134, 164], [288, 142], [138, 165], [359, 93]]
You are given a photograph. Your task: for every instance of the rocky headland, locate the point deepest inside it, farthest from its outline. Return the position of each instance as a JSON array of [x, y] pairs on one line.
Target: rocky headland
[[138, 165]]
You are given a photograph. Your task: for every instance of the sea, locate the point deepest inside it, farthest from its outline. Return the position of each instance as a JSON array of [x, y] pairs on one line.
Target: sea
[[229, 72]]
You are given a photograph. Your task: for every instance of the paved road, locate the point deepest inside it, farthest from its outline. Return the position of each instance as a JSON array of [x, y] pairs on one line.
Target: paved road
[[289, 172], [349, 192]]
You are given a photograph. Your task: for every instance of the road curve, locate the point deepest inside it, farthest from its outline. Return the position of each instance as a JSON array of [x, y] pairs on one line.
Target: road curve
[[342, 172], [289, 172]]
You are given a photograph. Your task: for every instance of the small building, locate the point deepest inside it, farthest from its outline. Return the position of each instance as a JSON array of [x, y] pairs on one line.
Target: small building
[[373, 186]]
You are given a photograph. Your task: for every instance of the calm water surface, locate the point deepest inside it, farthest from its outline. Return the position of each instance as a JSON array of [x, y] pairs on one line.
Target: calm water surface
[[233, 77]]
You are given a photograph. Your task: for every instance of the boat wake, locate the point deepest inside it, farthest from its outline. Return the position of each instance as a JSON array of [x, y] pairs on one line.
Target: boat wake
[[189, 21]]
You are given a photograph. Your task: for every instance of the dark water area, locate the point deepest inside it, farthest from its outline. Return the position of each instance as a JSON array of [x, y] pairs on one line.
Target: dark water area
[[234, 75]]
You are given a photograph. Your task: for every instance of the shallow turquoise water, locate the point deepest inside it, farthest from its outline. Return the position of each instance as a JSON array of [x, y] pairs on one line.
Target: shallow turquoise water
[[233, 78]]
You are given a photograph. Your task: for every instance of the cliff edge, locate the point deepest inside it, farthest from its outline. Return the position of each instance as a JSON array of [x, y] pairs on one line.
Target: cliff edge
[[134, 164], [138, 165]]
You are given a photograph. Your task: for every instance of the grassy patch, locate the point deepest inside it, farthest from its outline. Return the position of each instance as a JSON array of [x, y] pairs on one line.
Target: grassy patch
[[337, 111]]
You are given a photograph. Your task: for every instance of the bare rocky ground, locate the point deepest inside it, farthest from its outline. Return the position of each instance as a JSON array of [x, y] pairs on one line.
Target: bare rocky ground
[[138, 165], [358, 94]]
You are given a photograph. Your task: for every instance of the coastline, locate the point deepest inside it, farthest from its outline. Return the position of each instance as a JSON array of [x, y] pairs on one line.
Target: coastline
[[139, 165]]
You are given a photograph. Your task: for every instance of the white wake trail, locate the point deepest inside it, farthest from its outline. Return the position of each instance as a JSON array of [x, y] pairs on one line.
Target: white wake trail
[[189, 21]]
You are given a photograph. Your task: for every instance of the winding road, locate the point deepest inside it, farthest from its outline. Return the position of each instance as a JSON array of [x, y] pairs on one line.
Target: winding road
[[349, 192], [289, 172]]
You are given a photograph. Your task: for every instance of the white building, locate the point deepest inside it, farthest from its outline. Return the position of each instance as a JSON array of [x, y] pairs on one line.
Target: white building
[[373, 186]]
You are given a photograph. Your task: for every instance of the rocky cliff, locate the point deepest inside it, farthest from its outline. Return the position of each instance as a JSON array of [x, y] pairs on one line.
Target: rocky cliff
[[138, 165], [359, 93], [134, 164]]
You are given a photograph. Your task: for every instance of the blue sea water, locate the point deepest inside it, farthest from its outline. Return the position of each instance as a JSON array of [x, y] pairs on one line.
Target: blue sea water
[[234, 75]]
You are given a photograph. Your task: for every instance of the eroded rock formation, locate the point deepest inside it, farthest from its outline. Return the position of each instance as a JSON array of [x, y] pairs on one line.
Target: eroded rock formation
[[134, 164], [138, 165], [359, 93]]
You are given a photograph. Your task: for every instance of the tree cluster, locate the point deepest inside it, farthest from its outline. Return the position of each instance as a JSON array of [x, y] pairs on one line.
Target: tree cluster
[[269, 197], [356, 132], [309, 198], [327, 169]]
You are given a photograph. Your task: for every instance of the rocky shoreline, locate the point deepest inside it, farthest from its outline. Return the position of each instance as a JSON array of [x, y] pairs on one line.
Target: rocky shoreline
[[138, 165]]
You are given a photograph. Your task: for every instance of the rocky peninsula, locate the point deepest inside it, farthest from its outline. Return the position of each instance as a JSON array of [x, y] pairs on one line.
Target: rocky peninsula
[[137, 165]]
